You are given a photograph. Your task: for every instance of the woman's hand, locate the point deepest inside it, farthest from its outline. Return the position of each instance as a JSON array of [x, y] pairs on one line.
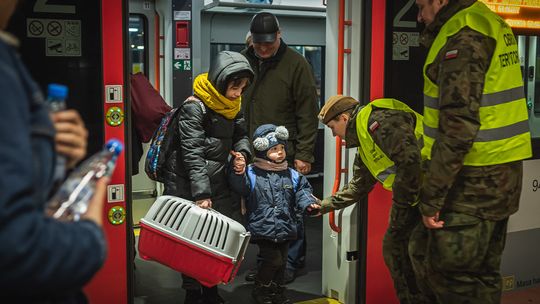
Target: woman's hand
[[239, 163], [205, 203]]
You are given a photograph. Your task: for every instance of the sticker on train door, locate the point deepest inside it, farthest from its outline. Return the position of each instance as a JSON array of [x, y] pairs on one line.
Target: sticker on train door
[[182, 65], [113, 93], [115, 193]]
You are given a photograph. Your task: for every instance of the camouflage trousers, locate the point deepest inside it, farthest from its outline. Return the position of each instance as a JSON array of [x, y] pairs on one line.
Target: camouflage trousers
[[459, 263], [402, 221]]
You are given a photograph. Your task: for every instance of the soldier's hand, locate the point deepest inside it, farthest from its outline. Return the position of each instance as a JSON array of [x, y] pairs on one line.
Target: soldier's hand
[[302, 166], [432, 222]]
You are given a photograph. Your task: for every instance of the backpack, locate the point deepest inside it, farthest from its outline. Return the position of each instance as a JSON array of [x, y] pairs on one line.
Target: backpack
[[251, 175], [160, 146], [163, 142]]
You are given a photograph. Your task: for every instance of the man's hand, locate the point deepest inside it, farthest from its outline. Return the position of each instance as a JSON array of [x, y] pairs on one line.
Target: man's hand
[[302, 166], [71, 136], [432, 222], [205, 203], [239, 163]]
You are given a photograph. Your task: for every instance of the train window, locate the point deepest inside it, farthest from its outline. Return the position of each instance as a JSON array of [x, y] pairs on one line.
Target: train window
[[138, 26], [313, 54]]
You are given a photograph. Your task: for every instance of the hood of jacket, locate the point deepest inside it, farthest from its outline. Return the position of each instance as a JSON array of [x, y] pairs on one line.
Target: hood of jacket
[[226, 65]]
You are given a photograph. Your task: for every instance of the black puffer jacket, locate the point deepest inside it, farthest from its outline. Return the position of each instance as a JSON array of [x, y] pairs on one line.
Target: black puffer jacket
[[197, 169]]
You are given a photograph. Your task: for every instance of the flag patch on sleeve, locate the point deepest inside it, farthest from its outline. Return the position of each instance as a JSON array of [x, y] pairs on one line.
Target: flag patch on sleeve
[[374, 126], [451, 54]]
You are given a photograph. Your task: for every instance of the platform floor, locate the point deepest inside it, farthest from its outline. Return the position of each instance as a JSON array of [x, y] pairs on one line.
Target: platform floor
[[523, 296]]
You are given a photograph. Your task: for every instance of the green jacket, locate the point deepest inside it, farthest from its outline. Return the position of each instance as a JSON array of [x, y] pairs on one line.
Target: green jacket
[[488, 192], [283, 92], [395, 137]]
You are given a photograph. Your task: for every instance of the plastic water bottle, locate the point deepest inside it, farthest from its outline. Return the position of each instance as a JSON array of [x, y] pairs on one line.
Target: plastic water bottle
[[56, 100], [72, 199]]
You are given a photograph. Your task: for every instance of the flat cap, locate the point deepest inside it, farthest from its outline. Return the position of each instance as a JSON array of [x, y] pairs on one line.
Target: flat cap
[[336, 105], [264, 27]]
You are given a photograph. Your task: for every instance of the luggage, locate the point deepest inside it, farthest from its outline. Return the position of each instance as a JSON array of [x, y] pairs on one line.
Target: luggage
[[201, 243]]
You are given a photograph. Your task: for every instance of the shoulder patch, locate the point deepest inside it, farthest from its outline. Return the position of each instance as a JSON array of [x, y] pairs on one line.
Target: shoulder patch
[[374, 126], [451, 54]]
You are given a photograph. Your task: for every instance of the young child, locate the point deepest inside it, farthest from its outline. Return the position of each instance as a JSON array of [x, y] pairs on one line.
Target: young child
[[274, 193]]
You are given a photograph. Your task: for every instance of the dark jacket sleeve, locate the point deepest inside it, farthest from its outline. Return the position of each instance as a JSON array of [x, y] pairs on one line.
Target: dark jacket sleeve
[[192, 137], [461, 81], [239, 183], [360, 185], [240, 137], [304, 193], [37, 254], [305, 96], [395, 136]]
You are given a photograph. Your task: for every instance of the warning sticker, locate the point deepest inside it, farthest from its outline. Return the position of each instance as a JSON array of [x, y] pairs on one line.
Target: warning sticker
[[405, 38], [62, 37], [400, 52], [115, 193], [182, 53], [182, 15], [54, 47]]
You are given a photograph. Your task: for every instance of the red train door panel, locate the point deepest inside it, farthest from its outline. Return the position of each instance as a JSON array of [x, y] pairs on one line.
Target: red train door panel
[[112, 283]]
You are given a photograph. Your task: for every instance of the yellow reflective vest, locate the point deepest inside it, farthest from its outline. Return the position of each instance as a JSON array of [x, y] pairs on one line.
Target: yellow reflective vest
[[504, 130], [380, 166]]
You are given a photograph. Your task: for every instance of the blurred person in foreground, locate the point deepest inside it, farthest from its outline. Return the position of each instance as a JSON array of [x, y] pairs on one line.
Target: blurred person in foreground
[[42, 260]]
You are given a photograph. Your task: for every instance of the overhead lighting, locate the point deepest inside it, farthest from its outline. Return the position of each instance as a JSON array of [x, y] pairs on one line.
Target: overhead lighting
[[133, 29]]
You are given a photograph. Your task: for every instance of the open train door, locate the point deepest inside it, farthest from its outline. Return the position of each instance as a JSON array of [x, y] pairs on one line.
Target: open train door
[[378, 41], [81, 44]]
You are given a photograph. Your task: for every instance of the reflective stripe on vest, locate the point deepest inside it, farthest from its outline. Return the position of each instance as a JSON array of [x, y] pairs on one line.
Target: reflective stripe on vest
[[380, 166], [504, 130]]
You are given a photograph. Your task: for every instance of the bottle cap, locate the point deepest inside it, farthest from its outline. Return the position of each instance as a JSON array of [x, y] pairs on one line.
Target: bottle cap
[[115, 146], [57, 91]]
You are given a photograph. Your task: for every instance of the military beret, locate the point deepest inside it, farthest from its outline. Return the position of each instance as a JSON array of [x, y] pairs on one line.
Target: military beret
[[336, 105]]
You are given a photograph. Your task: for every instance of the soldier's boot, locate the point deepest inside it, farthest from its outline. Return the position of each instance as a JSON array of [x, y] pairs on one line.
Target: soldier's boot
[[278, 296], [262, 293]]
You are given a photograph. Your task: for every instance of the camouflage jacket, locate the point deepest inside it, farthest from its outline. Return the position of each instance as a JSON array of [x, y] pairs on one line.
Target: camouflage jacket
[[489, 192], [395, 136]]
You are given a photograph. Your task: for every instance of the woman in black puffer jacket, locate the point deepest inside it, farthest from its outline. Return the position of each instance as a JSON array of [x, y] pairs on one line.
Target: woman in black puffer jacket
[[210, 126]]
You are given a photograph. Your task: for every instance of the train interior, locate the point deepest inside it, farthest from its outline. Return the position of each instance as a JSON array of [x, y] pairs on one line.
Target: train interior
[[365, 49]]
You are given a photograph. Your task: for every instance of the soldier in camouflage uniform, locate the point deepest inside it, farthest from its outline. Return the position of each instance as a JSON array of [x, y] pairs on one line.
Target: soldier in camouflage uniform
[[476, 136], [396, 133]]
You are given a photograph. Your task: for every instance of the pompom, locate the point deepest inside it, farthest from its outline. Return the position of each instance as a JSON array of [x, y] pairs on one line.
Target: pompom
[[261, 143], [282, 133]]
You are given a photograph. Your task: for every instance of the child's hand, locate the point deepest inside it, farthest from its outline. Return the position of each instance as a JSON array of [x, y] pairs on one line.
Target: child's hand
[[239, 163], [312, 209]]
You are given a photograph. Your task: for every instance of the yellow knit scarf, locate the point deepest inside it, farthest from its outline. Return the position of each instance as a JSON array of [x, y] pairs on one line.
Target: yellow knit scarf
[[213, 99]]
